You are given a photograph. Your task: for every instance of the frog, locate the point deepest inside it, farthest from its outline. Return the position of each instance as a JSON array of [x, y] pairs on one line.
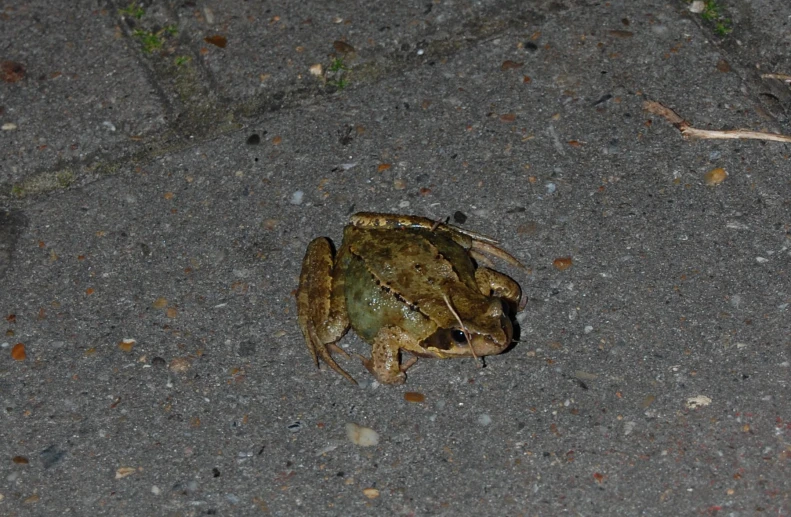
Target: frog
[[406, 284]]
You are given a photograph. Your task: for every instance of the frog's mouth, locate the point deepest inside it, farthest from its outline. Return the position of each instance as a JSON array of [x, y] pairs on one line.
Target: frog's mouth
[[454, 342]]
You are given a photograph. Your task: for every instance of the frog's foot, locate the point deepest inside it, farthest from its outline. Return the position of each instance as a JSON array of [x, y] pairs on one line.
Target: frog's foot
[[324, 352], [399, 378], [494, 283], [481, 248], [385, 362]]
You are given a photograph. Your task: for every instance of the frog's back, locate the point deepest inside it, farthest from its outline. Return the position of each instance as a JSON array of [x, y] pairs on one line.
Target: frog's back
[[400, 277], [415, 262]]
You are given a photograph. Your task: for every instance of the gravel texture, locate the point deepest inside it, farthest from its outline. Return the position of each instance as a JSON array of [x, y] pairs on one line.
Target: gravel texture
[[156, 202]]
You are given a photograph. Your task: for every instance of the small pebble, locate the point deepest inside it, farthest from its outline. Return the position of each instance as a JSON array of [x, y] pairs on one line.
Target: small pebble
[[362, 436], [295, 427], [588, 329], [414, 396], [698, 401], [180, 364], [484, 419], [122, 472], [586, 376], [296, 197], [715, 176]]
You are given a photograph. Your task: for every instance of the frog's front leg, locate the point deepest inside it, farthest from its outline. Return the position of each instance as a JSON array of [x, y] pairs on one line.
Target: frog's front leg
[[494, 283], [321, 306], [385, 362]]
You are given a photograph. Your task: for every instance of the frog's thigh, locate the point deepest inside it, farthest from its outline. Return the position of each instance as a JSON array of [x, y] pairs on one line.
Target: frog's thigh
[[390, 221], [321, 312], [492, 282], [385, 363]]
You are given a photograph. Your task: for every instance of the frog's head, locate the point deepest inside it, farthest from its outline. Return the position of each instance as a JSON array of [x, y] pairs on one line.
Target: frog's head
[[487, 329]]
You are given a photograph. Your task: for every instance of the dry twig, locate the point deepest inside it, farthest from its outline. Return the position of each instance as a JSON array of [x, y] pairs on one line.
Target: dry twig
[[461, 326], [687, 131], [780, 77]]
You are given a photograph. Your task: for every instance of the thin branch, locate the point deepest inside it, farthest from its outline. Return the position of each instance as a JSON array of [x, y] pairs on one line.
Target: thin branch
[[689, 132], [461, 325], [780, 77]]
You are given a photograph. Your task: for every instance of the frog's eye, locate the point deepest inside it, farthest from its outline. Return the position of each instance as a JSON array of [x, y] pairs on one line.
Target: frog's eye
[[458, 336]]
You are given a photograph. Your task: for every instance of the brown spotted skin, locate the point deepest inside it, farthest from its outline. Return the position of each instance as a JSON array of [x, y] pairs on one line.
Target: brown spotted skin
[[402, 283]]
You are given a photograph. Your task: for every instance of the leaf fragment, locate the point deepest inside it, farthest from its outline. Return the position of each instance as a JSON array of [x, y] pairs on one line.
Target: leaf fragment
[[218, 40]]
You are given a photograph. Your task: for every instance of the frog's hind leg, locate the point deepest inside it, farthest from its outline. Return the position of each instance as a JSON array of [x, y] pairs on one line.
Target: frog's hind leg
[[477, 243], [391, 221], [480, 247], [494, 283], [321, 308]]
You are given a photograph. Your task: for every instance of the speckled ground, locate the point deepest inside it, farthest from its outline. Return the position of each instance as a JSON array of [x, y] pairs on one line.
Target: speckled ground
[[157, 201]]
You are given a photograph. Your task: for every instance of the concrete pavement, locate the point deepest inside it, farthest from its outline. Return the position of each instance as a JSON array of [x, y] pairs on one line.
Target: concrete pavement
[[164, 165]]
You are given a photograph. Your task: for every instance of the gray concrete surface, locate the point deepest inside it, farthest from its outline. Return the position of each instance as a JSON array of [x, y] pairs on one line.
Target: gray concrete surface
[[167, 197]]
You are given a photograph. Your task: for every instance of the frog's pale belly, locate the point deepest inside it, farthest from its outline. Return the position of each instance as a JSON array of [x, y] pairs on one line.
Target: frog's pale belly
[[372, 306]]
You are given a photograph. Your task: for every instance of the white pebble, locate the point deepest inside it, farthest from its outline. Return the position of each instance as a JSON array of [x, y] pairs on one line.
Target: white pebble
[[588, 329], [484, 419], [698, 401], [362, 436], [296, 197], [761, 260]]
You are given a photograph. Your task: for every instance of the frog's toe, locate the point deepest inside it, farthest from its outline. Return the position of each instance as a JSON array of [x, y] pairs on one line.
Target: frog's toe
[[386, 376], [407, 365], [324, 353], [338, 350]]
